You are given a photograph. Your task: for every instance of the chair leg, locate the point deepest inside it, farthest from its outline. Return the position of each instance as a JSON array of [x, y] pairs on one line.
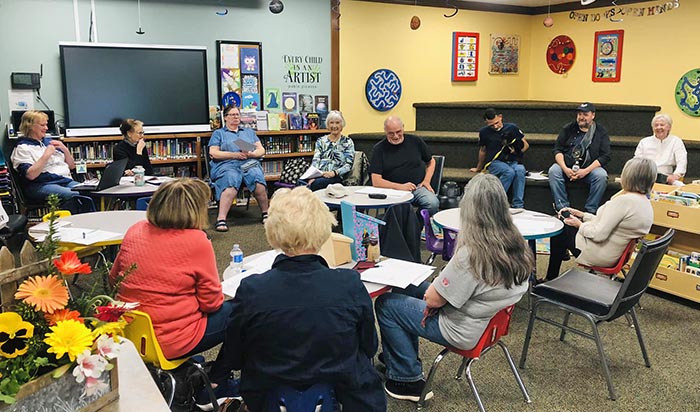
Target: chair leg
[[565, 323], [603, 360], [633, 314], [509, 358], [429, 380], [460, 371], [168, 395], [528, 334], [472, 385]]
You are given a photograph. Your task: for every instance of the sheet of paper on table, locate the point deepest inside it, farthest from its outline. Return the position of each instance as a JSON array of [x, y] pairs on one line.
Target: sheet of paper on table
[[399, 273], [536, 176], [388, 192], [85, 236], [43, 227], [529, 226]]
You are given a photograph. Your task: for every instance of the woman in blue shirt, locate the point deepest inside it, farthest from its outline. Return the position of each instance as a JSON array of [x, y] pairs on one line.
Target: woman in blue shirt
[[334, 154], [231, 165]]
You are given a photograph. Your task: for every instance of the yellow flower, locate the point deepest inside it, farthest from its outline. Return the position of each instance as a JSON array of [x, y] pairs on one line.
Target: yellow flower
[[68, 336], [113, 329], [45, 293], [14, 333]]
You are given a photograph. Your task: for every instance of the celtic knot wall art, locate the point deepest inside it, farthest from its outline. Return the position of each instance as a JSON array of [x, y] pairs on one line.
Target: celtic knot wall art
[[561, 54], [383, 90], [688, 93]]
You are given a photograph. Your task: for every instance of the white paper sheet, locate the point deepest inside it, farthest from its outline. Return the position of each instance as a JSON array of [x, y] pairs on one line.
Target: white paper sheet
[[536, 176], [311, 173], [388, 192], [399, 273], [85, 236]]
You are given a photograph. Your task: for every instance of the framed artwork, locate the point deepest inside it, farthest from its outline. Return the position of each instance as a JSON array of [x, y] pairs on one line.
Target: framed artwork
[[505, 53], [607, 56], [240, 77], [561, 54], [465, 56], [383, 90], [687, 92]]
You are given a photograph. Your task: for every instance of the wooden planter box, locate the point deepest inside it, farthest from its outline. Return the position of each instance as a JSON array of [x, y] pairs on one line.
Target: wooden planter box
[[48, 394]]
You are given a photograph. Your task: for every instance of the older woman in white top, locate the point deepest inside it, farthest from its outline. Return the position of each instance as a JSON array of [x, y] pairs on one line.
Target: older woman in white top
[[600, 239], [665, 149]]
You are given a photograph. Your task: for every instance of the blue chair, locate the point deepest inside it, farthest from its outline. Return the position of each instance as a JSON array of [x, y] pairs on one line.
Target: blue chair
[[142, 203], [317, 398]]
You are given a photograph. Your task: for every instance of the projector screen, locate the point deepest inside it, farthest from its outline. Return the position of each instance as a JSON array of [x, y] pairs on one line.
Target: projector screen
[[163, 86]]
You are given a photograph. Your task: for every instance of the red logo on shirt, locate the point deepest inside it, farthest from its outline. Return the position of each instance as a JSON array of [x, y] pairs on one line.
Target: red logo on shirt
[[445, 282]]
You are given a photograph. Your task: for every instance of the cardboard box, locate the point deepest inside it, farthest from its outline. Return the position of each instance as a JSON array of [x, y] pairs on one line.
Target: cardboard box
[[336, 250]]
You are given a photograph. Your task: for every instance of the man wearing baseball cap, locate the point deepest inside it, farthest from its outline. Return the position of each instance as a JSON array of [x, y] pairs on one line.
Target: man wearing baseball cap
[[581, 152]]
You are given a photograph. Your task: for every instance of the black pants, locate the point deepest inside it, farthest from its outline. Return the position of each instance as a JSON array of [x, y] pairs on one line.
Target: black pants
[[559, 244]]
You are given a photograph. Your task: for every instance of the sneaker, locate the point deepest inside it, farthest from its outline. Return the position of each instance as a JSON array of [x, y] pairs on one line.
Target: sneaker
[[223, 392], [407, 391]]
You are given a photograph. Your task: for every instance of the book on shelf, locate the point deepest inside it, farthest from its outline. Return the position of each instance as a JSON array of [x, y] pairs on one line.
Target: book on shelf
[[289, 102], [261, 120], [284, 125], [248, 120], [311, 121], [306, 103], [321, 107], [273, 121], [295, 121]]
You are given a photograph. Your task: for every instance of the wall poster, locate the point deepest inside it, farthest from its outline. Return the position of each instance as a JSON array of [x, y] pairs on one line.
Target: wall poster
[[607, 56], [505, 52], [240, 74], [465, 56]]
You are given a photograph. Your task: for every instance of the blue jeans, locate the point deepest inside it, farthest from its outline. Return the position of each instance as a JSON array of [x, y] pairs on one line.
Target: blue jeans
[[425, 199], [217, 323], [510, 173], [597, 181], [70, 200], [399, 315]]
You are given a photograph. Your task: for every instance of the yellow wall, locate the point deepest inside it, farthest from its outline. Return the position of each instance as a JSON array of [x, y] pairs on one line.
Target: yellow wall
[[657, 51]]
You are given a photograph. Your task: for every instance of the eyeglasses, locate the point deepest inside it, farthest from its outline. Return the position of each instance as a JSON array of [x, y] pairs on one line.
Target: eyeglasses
[[141, 132], [233, 115]]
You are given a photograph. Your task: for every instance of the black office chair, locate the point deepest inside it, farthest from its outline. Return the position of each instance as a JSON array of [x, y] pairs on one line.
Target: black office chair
[[436, 180], [14, 232], [599, 299], [33, 209]]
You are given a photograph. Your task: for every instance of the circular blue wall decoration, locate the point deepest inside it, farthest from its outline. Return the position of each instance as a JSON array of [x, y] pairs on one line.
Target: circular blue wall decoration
[[383, 90], [688, 93]]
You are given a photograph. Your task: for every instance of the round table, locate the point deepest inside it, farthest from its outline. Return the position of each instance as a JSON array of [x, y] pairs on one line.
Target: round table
[[362, 200], [532, 225], [117, 221]]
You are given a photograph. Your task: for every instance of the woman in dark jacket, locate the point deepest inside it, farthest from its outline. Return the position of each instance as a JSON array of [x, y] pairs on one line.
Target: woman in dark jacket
[[133, 147]]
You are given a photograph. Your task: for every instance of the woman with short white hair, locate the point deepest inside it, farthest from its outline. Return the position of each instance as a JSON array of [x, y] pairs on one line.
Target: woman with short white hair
[[334, 153], [665, 149]]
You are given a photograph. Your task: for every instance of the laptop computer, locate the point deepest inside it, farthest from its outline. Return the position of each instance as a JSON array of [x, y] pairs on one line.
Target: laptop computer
[[17, 120], [110, 177]]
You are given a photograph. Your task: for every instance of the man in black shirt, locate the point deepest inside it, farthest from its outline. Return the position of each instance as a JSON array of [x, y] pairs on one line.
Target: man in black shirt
[[581, 152], [404, 162], [501, 147]]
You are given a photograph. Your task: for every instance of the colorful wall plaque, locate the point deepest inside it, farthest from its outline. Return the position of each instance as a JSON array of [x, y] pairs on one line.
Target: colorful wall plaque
[[505, 51], [607, 56], [688, 93], [561, 54], [383, 90], [465, 56], [240, 74]]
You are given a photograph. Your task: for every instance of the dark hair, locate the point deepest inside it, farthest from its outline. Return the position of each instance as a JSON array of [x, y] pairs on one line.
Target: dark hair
[[128, 125], [231, 107], [490, 113]]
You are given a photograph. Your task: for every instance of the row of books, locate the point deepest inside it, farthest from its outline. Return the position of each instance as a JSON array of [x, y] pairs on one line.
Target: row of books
[[272, 167], [282, 144], [100, 152], [264, 121]]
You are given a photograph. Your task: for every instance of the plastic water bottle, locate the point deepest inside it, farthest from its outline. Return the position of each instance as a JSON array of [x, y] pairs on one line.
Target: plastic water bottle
[[237, 259], [139, 176]]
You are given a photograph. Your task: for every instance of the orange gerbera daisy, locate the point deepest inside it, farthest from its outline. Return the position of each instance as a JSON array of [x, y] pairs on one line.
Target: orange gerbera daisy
[[69, 264], [45, 293], [63, 314]]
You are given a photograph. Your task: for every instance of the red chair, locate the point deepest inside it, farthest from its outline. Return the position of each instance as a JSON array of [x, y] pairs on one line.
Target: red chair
[[619, 266], [497, 327]]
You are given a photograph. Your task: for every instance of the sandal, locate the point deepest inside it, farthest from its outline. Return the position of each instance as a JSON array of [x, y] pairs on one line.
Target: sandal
[[264, 217], [221, 226]]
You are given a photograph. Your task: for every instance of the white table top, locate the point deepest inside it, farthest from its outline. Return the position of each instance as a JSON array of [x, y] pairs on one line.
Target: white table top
[[127, 188], [373, 289], [117, 221], [532, 225], [361, 200]]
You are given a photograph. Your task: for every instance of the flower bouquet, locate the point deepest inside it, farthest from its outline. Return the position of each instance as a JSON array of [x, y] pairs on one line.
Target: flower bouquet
[[50, 332]]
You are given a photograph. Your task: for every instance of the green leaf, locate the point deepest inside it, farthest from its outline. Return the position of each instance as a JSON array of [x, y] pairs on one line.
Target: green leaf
[[60, 371]]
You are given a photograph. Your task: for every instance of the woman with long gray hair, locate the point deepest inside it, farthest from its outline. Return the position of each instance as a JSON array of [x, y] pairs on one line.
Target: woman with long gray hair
[[487, 273]]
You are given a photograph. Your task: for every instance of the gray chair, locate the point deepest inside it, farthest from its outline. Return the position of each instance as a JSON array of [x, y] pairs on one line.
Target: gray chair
[[598, 299]]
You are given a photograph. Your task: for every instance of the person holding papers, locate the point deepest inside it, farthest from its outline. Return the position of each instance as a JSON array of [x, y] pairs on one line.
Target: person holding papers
[[301, 323], [235, 158], [600, 239], [334, 155], [44, 165], [133, 147], [488, 272]]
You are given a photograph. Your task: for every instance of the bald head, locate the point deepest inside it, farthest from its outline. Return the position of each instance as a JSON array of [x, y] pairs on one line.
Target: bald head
[[393, 128]]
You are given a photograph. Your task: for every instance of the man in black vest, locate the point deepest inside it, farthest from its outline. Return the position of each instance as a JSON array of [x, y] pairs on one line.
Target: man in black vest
[[581, 152]]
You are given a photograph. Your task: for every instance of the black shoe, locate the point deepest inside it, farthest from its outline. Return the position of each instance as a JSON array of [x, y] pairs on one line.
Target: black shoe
[[407, 391], [566, 256]]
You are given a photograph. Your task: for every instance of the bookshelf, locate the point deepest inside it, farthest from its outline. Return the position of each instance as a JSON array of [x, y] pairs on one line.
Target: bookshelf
[[169, 153]]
